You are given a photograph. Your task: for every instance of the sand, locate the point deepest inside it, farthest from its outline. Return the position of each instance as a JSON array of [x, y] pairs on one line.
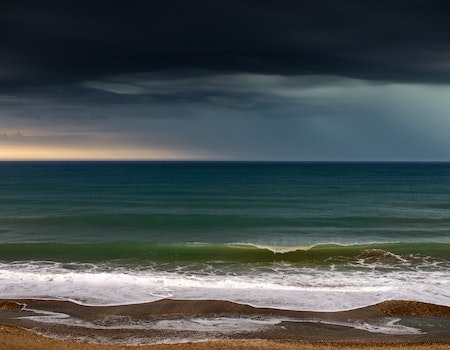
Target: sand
[[299, 330], [15, 338]]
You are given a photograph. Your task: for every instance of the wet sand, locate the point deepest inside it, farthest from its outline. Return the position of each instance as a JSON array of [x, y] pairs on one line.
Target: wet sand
[[210, 324], [14, 338]]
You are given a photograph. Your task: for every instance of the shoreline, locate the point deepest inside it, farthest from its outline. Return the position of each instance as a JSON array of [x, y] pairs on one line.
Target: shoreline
[[216, 324], [13, 337]]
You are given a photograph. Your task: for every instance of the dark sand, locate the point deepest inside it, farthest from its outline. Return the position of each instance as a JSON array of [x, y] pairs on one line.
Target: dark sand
[[84, 327]]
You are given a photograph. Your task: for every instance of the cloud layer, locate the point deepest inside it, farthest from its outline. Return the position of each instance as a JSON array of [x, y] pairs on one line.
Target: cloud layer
[[261, 80]]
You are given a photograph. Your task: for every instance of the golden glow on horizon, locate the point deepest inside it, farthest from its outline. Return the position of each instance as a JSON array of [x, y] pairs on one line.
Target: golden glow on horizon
[[36, 144], [15, 152]]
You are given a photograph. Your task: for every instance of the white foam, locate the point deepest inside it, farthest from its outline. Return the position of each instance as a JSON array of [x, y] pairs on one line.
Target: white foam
[[281, 286], [387, 326], [382, 325], [216, 325], [223, 325], [276, 249], [293, 247]]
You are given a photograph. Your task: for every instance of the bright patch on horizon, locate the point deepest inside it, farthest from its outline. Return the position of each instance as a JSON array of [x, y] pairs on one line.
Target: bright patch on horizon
[[15, 152]]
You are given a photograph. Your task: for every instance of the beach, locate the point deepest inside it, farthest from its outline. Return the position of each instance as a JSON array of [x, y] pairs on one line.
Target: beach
[[19, 339], [167, 324]]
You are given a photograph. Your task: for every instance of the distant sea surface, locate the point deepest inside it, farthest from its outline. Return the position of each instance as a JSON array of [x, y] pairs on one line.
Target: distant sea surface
[[311, 236]]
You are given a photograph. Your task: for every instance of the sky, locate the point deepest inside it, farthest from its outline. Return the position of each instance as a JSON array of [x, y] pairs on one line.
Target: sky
[[285, 80]]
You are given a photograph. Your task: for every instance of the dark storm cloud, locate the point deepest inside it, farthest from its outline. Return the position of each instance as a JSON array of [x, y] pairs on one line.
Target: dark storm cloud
[[246, 80], [65, 42]]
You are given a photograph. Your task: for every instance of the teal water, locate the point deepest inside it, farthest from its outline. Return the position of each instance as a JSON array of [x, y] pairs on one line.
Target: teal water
[[189, 229], [270, 203]]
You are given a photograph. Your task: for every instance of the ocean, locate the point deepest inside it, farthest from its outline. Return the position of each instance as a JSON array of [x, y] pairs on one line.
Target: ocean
[[299, 236]]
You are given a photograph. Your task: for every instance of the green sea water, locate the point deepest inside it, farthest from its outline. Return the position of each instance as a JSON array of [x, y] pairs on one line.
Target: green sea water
[[188, 229]]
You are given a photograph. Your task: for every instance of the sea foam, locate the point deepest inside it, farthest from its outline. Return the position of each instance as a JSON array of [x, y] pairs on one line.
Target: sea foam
[[282, 286]]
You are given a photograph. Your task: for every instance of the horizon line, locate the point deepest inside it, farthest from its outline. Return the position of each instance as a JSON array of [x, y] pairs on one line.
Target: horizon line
[[222, 161]]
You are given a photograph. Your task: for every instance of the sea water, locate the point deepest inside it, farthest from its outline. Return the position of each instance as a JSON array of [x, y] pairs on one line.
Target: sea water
[[310, 236]]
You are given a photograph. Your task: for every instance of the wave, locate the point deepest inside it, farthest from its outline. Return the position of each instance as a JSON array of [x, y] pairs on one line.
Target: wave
[[282, 286], [378, 252], [315, 277]]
